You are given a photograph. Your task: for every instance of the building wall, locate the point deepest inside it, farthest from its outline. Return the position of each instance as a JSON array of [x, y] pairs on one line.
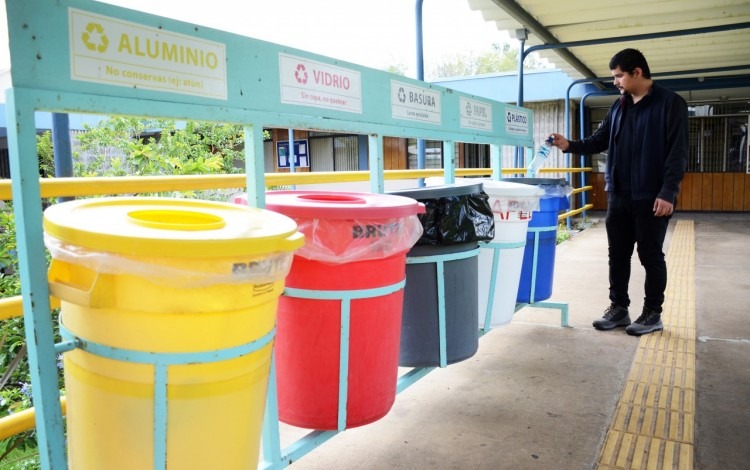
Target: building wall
[[718, 175]]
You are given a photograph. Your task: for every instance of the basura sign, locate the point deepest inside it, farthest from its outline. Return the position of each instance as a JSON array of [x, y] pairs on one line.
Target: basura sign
[[116, 52], [415, 103]]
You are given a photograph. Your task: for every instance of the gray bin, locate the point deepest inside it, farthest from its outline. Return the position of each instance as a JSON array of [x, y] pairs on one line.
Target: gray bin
[[420, 334]]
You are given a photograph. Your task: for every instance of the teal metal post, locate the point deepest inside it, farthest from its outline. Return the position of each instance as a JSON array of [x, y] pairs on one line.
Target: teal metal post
[[375, 145], [32, 265], [449, 162], [255, 167], [496, 162]]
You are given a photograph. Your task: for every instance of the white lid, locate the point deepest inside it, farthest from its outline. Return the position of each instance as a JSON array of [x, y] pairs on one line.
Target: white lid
[[511, 190]]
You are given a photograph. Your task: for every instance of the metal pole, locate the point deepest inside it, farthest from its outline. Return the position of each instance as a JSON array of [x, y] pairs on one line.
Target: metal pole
[[420, 76], [61, 148], [521, 35], [291, 153]]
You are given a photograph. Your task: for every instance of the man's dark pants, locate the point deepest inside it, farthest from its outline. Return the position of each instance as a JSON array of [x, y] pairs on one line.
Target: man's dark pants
[[631, 222]]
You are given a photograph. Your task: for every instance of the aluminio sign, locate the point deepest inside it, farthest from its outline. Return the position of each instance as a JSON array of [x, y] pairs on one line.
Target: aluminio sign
[[415, 103], [311, 83], [475, 114], [116, 52], [516, 122]]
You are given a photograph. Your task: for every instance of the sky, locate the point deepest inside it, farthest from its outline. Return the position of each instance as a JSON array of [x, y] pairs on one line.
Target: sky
[[374, 33]]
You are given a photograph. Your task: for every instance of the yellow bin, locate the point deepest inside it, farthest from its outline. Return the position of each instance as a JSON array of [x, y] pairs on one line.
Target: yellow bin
[[173, 305]]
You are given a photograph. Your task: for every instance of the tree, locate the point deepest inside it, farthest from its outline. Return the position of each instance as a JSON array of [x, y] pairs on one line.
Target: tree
[[159, 147], [398, 69], [502, 58]]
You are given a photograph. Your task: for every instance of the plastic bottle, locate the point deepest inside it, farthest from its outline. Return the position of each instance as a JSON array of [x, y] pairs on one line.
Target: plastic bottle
[[539, 158]]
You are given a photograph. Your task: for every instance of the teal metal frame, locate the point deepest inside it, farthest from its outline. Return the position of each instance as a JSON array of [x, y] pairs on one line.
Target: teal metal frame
[[563, 307], [273, 455], [45, 47], [161, 363], [276, 457], [496, 248], [439, 261]]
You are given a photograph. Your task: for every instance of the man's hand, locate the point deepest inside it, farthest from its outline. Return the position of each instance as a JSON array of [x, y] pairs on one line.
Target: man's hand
[[663, 208], [559, 141]]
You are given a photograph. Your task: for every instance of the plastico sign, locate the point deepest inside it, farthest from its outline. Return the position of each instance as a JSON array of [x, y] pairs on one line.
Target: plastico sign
[[517, 122]]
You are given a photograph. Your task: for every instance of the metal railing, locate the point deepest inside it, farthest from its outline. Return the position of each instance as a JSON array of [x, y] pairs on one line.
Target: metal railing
[[12, 307]]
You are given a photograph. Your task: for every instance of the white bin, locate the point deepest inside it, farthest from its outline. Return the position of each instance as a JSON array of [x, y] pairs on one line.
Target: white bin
[[512, 205]]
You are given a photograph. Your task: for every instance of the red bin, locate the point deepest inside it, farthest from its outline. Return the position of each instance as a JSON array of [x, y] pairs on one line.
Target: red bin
[[354, 241]]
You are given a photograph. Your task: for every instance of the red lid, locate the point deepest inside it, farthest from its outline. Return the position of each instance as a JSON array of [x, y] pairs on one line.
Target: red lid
[[341, 205]]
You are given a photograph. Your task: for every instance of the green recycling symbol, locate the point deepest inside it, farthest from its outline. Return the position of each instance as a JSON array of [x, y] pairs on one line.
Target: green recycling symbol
[[94, 37]]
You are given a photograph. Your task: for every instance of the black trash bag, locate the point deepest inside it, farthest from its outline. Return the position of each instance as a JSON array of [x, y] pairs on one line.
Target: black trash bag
[[451, 220]]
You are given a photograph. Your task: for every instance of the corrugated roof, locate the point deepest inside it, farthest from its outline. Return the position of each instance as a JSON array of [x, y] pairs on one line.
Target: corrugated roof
[[558, 21]]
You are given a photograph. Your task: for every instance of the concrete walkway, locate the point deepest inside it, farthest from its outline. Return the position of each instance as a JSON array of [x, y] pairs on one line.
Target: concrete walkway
[[539, 396]]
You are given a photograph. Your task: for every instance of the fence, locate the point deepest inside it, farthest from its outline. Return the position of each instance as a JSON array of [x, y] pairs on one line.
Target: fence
[[59, 65]]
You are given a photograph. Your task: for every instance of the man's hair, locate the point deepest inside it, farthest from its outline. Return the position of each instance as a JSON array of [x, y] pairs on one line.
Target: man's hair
[[628, 60]]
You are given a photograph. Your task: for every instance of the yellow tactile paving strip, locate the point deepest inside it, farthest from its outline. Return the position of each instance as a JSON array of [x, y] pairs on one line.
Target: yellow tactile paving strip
[[653, 425]]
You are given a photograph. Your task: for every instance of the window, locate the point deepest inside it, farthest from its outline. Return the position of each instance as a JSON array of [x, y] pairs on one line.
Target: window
[[433, 154], [477, 156], [333, 152], [718, 144]]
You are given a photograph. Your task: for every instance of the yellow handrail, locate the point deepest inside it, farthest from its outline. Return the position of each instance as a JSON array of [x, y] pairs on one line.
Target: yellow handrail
[[582, 189], [92, 186], [11, 307], [574, 212], [17, 423]]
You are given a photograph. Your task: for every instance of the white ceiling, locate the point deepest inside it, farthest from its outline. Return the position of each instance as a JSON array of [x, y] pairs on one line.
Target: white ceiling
[[565, 21]]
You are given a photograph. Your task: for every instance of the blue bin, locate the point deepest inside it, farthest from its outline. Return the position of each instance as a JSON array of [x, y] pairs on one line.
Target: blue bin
[[537, 277]]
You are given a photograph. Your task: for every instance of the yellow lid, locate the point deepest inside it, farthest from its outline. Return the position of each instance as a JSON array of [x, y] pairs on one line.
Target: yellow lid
[[170, 227]]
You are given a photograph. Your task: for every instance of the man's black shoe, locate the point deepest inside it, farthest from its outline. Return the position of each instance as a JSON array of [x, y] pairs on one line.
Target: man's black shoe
[[614, 316], [648, 322]]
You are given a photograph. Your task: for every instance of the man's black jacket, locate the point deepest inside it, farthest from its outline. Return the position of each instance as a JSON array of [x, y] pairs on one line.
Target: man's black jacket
[[662, 127]]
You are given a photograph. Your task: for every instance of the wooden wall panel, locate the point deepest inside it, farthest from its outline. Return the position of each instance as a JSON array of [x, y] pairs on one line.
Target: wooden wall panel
[[727, 190], [706, 192], [716, 191], [739, 191], [597, 196], [387, 153], [684, 199], [394, 153], [697, 194]]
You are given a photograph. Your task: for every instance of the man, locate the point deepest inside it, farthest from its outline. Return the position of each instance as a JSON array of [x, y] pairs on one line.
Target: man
[[646, 132]]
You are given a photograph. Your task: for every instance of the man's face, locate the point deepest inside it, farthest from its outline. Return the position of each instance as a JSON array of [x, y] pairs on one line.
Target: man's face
[[625, 81]]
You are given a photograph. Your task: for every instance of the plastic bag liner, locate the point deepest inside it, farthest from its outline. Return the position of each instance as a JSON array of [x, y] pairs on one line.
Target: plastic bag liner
[[339, 241], [454, 214], [176, 272], [504, 196], [387, 225]]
